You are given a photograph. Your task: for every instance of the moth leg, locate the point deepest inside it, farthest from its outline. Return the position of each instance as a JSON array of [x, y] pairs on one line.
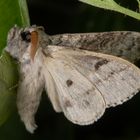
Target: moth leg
[[28, 99]]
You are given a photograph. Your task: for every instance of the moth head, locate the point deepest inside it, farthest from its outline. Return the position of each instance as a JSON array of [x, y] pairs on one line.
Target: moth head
[[23, 43]]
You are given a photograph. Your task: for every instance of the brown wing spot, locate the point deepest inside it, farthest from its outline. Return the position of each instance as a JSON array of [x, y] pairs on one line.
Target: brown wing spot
[[100, 63], [39, 73], [69, 82], [87, 92], [86, 102], [68, 103], [112, 72]]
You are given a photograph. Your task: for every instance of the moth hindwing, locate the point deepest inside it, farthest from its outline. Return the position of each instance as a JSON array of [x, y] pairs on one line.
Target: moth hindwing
[[81, 80]]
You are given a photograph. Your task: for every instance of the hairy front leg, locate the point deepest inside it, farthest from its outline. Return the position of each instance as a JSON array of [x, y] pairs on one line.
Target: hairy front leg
[[28, 98]]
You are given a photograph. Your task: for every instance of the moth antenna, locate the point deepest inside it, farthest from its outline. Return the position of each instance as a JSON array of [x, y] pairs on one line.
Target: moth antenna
[[34, 44]]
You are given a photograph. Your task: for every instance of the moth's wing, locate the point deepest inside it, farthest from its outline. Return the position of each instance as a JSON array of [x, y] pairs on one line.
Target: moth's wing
[[81, 102], [116, 79], [124, 44], [51, 90]]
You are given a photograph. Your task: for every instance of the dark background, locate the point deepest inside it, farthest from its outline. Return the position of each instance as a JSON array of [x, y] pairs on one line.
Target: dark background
[[63, 16]]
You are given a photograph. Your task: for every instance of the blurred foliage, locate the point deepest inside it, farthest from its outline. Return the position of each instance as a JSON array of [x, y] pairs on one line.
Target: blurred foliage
[[8, 81], [112, 5], [11, 13], [63, 16]]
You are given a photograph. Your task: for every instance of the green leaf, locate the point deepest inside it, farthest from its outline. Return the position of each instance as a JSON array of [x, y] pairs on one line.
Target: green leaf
[[112, 5], [11, 13], [8, 84]]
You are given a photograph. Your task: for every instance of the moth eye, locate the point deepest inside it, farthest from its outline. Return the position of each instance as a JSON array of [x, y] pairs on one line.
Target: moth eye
[[26, 36]]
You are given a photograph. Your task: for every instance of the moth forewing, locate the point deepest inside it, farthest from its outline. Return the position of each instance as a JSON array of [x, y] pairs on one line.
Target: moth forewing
[[80, 101], [116, 79], [50, 87], [124, 44]]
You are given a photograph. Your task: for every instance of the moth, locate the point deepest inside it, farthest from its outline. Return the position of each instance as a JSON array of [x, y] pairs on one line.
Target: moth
[[80, 78]]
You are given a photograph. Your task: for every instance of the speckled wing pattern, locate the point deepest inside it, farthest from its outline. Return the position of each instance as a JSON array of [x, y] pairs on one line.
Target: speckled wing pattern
[[88, 82], [79, 99], [124, 44]]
